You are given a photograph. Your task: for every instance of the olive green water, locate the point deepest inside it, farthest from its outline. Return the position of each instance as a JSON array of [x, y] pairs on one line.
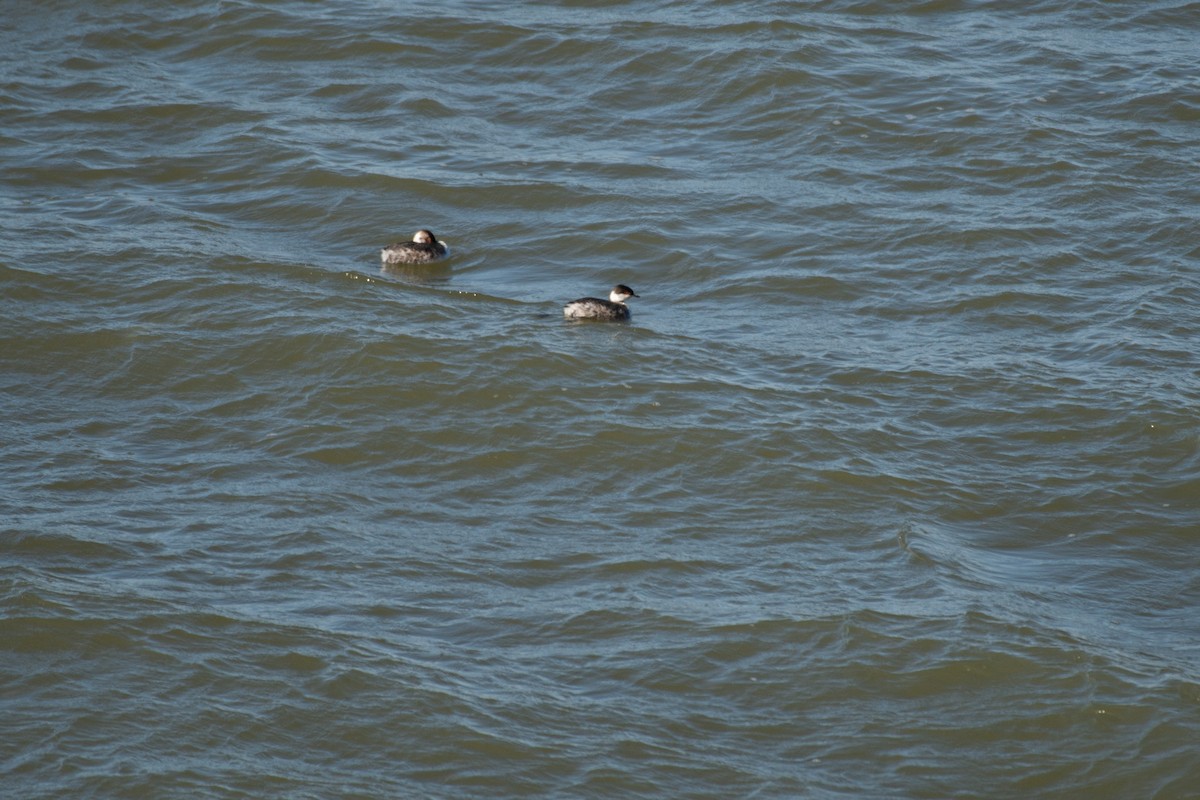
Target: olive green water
[[890, 489]]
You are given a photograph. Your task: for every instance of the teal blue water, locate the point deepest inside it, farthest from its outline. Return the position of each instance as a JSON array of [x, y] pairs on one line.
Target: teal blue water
[[889, 489]]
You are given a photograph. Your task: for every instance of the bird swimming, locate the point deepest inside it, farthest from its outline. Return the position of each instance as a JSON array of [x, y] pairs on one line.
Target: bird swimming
[[423, 249], [613, 308]]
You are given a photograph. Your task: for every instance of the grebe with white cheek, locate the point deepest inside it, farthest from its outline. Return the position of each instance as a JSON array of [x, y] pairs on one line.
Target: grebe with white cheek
[[613, 308], [423, 249]]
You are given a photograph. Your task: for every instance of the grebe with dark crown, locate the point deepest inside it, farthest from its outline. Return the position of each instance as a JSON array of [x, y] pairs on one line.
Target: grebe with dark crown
[[613, 308], [423, 248]]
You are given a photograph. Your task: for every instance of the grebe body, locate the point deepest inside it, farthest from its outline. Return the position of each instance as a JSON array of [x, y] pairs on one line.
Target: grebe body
[[423, 249], [613, 308]]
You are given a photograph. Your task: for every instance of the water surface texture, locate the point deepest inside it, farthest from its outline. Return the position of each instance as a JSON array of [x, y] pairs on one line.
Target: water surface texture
[[890, 488]]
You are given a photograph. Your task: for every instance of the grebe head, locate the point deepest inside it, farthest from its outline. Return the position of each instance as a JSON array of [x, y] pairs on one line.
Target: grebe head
[[424, 237], [620, 293]]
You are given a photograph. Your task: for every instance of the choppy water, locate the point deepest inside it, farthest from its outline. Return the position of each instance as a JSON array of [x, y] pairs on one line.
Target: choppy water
[[890, 489]]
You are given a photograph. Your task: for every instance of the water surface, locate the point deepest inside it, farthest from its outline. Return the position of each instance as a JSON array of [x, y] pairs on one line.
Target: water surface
[[891, 488]]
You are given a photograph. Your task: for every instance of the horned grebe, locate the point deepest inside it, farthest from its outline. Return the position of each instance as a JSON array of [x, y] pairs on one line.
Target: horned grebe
[[423, 248], [594, 308]]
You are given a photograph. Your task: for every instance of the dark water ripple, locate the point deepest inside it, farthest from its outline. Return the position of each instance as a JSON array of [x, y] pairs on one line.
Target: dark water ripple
[[890, 489]]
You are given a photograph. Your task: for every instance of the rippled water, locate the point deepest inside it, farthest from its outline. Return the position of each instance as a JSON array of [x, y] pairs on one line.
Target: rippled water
[[891, 488]]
